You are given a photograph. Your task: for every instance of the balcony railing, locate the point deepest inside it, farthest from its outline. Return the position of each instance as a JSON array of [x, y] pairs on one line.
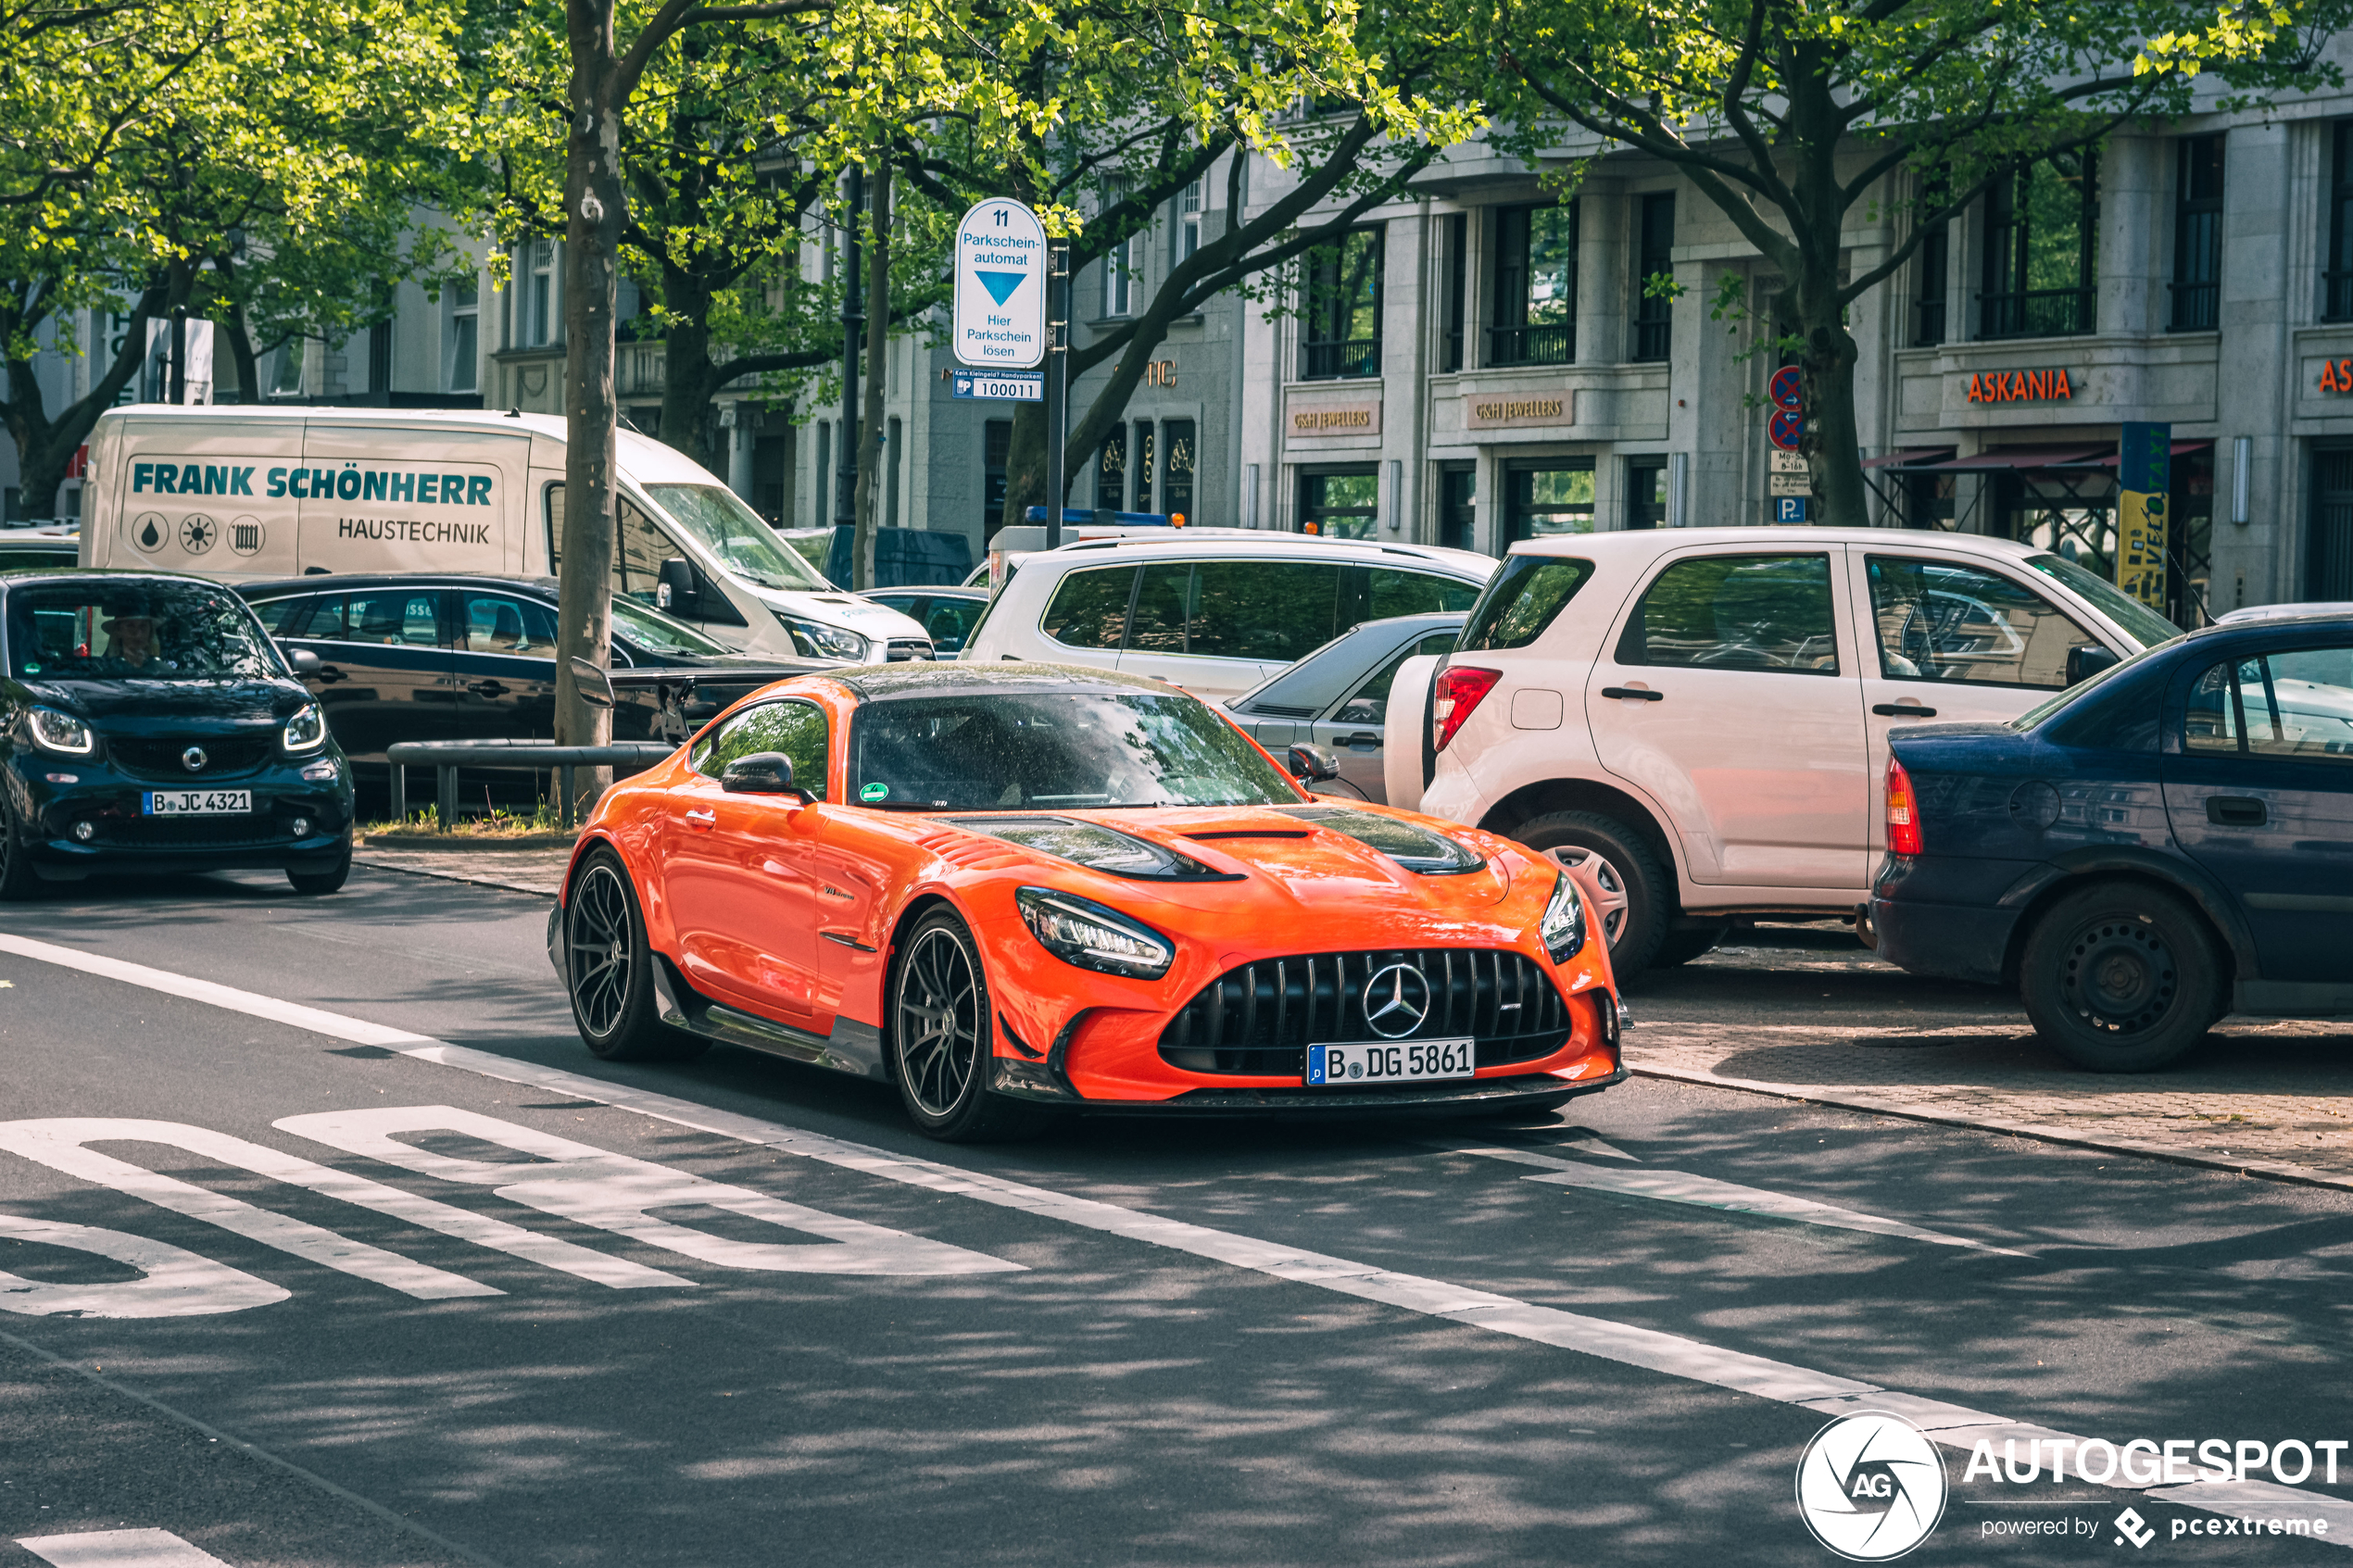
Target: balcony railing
[[1340, 361], [1547, 345], [1655, 339], [639, 369], [2197, 306], [2035, 313]]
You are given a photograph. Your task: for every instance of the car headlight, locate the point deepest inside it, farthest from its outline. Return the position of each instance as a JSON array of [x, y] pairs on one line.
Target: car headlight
[[1083, 932], [1563, 927], [826, 642], [62, 733], [307, 730]]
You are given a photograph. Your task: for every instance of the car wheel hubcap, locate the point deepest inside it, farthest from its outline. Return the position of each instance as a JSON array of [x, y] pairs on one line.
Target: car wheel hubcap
[[940, 1022], [1615, 900], [597, 943], [2119, 977]]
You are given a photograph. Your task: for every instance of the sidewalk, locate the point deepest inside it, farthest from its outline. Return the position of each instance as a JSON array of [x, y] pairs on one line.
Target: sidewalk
[[519, 870], [2259, 1093]]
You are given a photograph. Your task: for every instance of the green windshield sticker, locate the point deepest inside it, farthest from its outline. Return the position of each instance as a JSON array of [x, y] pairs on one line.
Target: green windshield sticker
[[873, 792]]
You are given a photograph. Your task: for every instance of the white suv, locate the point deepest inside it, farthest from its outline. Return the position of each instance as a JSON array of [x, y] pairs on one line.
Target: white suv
[[1703, 712], [1215, 616]]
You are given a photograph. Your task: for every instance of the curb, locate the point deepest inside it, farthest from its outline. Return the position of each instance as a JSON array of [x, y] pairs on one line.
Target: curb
[[2270, 1170], [454, 876], [465, 843]]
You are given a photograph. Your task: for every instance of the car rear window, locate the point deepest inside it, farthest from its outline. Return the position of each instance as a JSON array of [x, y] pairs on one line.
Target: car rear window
[[1522, 600]]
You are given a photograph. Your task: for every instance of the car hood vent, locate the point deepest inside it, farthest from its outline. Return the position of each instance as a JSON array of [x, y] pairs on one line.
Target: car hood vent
[[1416, 848], [1097, 847]]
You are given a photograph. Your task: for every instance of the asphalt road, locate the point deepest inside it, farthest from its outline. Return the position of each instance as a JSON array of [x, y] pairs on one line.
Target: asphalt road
[[449, 1321]]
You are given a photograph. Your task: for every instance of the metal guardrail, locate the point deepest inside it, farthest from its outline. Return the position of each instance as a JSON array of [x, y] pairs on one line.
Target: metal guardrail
[[446, 756]]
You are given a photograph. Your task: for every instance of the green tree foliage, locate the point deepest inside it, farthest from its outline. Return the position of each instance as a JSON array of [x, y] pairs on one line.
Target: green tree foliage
[[1790, 116], [256, 160]]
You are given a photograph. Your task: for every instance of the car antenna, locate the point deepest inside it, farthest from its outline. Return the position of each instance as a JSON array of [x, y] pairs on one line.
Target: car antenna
[[515, 412]]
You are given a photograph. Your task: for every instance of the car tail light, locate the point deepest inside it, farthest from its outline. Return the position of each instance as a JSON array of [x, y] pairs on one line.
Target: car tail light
[[1459, 692], [1903, 811]]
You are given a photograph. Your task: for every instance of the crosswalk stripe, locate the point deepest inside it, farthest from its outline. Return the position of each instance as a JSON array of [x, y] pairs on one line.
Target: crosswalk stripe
[[119, 1548]]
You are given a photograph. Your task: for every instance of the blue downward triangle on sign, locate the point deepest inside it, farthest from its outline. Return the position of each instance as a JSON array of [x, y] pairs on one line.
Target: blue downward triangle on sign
[[1000, 285]]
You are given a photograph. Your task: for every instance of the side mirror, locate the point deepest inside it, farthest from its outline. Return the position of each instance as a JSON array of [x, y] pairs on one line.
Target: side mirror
[[2087, 660], [305, 663], [594, 685], [1312, 764], [678, 589], [761, 773]]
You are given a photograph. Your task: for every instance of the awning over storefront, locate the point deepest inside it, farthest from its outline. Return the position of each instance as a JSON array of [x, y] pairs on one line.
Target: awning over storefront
[[2111, 461], [1913, 458], [2010, 460]]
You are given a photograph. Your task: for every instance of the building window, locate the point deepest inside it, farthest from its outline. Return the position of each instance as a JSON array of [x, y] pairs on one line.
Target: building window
[[2328, 557], [465, 338], [894, 440], [2042, 255], [1645, 491], [1141, 469], [1931, 276], [1184, 224], [1119, 264], [1535, 286], [1654, 264], [380, 356], [1456, 229], [995, 457], [1111, 471], [1177, 469], [1343, 504], [538, 296], [1928, 500], [2198, 236], [822, 507], [1546, 496], [1458, 506], [1340, 304], [2337, 304]]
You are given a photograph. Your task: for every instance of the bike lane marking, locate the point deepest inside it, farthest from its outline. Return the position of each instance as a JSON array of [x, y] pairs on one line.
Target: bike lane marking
[[119, 1548], [1652, 1349]]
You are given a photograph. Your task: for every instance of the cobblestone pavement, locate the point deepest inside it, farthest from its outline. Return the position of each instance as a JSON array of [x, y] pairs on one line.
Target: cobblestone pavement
[[1807, 1011], [519, 870]]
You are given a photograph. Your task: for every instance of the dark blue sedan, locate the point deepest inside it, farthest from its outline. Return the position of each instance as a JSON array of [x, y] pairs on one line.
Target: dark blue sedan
[[2168, 842]]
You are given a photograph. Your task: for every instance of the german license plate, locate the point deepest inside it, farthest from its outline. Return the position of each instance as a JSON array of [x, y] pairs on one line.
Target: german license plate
[[195, 802], [1403, 1062]]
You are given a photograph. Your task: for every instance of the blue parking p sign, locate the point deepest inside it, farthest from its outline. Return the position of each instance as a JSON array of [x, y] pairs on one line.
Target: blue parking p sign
[[1789, 509]]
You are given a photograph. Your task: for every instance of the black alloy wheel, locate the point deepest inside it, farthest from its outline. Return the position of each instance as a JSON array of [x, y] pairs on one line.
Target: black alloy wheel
[[610, 969], [941, 1026], [2121, 977]]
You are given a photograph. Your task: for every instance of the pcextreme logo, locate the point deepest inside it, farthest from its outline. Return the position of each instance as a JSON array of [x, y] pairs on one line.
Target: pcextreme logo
[[1871, 1486]]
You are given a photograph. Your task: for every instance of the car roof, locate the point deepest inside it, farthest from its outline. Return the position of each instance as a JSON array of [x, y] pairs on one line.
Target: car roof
[[923, 678], [1797, 537], [2334, 618], [110, 574], [647, 460], [1246, 542], [926, 590], [337, 582], [2280, 612]]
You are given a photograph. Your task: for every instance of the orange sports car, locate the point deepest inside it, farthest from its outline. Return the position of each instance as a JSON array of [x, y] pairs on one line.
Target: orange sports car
[[1017, 890]]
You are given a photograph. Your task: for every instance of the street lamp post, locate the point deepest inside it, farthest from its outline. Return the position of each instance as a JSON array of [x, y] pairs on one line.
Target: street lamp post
[[853, 315], [1057, 383]]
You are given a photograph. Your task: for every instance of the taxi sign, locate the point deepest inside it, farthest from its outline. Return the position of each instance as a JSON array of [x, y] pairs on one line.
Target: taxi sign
[[1001, 286]]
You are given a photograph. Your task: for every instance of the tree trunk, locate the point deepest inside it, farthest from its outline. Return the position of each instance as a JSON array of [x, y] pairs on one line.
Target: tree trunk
[[688, 378], [593, 210], [1833, 454], [240, 333], [1024, 464], [44, 447], [872, 436]]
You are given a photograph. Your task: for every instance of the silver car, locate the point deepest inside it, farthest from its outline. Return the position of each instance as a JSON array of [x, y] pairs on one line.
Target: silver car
[[1337, 697]]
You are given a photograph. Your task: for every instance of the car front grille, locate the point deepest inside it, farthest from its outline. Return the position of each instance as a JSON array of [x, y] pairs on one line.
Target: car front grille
[[191, 833], [158, 757], [1258, 1021]]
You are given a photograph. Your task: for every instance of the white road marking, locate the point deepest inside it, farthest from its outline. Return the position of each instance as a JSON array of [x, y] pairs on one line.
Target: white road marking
[[616, 1193], [176, 1283], [1592, 1145], [1705, 1192], [57, 1144], [119, 1548], [1672, 1354]]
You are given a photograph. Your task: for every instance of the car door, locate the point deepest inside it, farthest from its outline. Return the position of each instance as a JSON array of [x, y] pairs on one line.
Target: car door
[[736, 866], [2258, 789], [1948, 639], [385, 675], [1355, 730], [1727, 692], [504, 660]]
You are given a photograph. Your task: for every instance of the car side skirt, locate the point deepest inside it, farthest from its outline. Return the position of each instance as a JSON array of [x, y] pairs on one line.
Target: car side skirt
[[850, 1046]]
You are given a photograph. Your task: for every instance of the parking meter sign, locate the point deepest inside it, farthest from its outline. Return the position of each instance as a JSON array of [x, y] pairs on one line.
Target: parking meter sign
[[1001, 287], [1788, 389]]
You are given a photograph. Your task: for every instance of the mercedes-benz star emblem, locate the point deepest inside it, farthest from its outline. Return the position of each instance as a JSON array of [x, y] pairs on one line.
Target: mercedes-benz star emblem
[[1396, 1001], [193, 760]]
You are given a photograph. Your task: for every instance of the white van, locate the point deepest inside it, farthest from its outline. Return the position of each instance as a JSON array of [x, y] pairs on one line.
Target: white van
[[255, 492]]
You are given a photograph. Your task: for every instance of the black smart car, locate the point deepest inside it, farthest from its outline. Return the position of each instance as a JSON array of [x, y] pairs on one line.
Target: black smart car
[[150, 725]]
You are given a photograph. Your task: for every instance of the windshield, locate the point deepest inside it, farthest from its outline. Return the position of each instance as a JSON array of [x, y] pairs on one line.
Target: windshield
[[656, 632], [1002, 749], [2141, 623], [735, 534], [135, 631]]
